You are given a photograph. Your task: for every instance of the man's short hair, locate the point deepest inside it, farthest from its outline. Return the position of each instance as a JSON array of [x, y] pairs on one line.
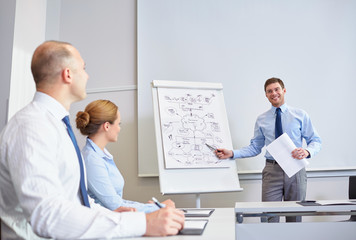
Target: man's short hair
[[274, 80], [48, 60]]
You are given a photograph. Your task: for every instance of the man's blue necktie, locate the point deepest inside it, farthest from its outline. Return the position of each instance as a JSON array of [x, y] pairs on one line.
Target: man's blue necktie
[[278, 129], [83, 190]]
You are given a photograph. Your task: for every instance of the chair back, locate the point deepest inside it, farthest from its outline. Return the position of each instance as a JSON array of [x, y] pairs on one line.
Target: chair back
[[352, 187]]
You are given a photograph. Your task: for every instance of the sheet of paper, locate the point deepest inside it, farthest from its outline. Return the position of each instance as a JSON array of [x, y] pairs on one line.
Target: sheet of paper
[[198, 212], [196, 224], [281, 150], [189, 119], [336, 202]]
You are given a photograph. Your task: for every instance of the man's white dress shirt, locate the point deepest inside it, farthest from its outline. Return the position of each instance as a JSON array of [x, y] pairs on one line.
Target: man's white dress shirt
[[39, 181]]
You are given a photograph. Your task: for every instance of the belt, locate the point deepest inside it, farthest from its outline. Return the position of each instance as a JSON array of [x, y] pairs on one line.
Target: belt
[[271, 161]]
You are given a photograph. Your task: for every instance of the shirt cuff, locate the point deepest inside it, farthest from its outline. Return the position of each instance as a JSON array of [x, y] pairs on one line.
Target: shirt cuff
[[310, 153], [128, 224], [133, 223], [234, 154]]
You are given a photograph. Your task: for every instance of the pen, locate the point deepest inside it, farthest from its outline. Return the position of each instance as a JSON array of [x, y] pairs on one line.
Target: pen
[[157, 203]]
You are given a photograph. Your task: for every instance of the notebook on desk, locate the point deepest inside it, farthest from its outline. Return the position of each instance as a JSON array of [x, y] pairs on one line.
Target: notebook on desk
[[308, 203], [335, 202], [326, 202], [197, 212], [193, 227]]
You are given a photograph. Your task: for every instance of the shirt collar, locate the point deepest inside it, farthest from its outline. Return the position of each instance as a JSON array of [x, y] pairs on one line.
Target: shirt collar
[[283, 108], [51, 104], [103, 154]]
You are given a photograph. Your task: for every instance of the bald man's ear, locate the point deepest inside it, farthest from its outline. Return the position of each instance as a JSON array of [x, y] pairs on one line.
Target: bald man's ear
[[67, 75]]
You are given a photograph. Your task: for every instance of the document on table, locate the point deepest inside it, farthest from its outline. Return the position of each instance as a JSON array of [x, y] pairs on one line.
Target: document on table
[[197, 212], [281, 150], [193, 227], [335, 202]]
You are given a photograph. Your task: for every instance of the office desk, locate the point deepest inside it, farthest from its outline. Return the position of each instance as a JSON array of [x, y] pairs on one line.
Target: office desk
[[221, 225], [301, 230]]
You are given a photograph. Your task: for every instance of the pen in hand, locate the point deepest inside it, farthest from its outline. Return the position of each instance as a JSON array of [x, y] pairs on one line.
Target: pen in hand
[[157, 203]]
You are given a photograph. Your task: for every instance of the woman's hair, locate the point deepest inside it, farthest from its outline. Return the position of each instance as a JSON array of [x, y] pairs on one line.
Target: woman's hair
[[95, 114]]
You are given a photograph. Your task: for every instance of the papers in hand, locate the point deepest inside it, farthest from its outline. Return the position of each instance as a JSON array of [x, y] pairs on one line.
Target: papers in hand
[[281, 150]]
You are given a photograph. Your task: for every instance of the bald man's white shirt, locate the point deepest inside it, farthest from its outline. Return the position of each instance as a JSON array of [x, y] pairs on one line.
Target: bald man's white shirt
[[39, 180]]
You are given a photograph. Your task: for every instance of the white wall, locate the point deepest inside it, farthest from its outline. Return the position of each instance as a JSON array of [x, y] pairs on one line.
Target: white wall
[[107, 42], [29, 32], [240, 44], [23, 28], [108, 45], [7, 22]]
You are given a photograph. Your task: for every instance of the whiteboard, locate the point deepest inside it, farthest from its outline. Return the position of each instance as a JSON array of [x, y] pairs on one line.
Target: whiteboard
[[243, 43], [194, 112]]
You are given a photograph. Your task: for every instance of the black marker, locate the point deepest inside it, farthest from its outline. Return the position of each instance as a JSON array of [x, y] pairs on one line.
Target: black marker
[[212, 148]]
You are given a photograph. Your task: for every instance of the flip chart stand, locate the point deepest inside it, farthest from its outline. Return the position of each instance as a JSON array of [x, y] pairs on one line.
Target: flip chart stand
[[190, 179]]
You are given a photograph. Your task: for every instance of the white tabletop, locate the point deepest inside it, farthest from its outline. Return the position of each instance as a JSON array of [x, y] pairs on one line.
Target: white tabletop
[[326, 230], [290, 206], [221, 225]]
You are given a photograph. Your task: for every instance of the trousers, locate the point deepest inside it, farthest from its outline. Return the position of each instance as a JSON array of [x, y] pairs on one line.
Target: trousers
[[277, 186]]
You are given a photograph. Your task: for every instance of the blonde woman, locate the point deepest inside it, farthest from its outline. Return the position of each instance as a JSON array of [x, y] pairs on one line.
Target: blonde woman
[[100, 121]]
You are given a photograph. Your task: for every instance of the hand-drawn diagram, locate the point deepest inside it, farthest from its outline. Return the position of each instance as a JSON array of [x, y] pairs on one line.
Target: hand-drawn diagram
[[190, 118]]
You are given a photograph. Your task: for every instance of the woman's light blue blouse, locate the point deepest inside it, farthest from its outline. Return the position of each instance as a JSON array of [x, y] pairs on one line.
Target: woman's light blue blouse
[[105, 182]]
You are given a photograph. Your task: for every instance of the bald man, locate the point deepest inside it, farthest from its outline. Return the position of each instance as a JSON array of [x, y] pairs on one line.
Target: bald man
[[40, 170]]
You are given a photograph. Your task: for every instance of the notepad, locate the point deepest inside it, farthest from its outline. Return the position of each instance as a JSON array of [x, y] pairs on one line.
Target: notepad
[[197, 212], [335, 202], [193, 227], [326, 203]]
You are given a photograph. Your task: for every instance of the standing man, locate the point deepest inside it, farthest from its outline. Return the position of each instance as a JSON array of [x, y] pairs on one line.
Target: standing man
[[42, 175], [281, 118]]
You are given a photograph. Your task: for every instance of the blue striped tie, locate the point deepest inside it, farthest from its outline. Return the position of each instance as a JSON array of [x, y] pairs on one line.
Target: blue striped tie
[[83, 190], [278, 129]]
